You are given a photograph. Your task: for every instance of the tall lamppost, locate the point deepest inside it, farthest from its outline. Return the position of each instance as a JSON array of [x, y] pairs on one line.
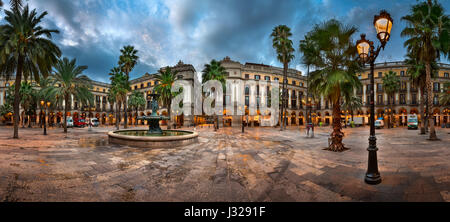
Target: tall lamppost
[[45, 105], [368, 54]]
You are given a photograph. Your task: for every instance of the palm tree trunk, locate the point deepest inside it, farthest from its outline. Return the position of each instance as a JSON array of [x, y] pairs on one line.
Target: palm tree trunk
[[29, 121], [430, 102], [421, 110], [337, 135], [66, 110], [136, 120], [283, 100], [117, 115], [169, 121], [17, 97]]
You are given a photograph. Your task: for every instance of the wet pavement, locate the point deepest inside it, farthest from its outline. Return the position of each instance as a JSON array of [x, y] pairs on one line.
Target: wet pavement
[[263, 164]]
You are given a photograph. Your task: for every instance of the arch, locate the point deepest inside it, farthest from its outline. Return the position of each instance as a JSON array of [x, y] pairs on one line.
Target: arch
[[436, 111]]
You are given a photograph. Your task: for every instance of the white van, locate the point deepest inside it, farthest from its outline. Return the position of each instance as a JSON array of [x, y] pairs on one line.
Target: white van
[[69, 121], [413, 122], [379, 123]]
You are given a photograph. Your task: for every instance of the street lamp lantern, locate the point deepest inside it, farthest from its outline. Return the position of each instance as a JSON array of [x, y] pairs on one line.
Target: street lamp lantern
[[363, 47], [383, 24], [48, 104], [42, 102], [368, 54]]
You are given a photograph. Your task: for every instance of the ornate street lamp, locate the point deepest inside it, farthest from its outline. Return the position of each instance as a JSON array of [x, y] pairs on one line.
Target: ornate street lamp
[[368, 54], [45, 105]]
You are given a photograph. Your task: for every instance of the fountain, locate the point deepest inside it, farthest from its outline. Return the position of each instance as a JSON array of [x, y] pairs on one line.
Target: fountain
[[154, 137]]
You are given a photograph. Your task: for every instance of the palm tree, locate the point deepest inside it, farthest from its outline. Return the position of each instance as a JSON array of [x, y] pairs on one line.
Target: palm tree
[[27, 97], [214, 71], [127, 62], [166, 78], [112, 100], [119, 89], [335, 77], [428, 31], [136, 101], [351, 103], [391, 85], [26, 48], [1, 3], [444, 98], [307, 48], [71, 81], [16, 5], [283, 46]]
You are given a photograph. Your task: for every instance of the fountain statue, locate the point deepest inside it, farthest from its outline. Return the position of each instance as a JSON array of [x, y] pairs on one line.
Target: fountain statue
[[154, 118], [154, 137]]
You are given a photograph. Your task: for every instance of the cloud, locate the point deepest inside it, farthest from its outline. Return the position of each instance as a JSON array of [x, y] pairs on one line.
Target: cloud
[[196, 31]]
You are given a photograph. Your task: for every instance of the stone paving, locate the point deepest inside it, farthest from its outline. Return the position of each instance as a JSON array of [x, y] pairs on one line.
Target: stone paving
[[263, 164]]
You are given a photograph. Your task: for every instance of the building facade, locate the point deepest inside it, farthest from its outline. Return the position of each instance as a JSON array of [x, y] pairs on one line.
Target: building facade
[[405, 101]]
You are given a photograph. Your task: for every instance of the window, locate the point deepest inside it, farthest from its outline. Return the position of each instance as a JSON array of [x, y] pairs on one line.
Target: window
[[301, 84], [402, 99], [293, 82], [142, 85], [414, 99], [380, 74], [277, 79], [149, 84], [135, 87], [257, 77], [435, 100], [181, 77], [247, 90], [436, 87], [103, 90], [379, 87], [267, 78], [402, 73], [247, 76], [380, 99], [392, 100], [247, 103], [156, 82], [446, 75], [403, 86]]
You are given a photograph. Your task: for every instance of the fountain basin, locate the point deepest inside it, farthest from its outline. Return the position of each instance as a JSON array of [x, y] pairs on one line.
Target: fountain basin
[[142, 139]]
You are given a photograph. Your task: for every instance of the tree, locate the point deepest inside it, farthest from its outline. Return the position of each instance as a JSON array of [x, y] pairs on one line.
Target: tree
[[428, 31], [351, 103], [71, 82], [112, 100], [334, 58], [283, 46], [444, 98], [26, 48], [16, 5], [119, 89], [307, 48], [166, 78], [136, 101], [391, 85], [127, 61], [46, 92], [27, 97], [214, 71]]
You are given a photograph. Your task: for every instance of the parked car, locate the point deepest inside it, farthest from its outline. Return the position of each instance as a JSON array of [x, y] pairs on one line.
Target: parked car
[[94, 122], [413, 122], [379, 124], [69, 121], [78, 122]]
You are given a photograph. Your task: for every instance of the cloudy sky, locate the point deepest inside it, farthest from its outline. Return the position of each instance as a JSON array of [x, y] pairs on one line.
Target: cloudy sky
[[196, 31]]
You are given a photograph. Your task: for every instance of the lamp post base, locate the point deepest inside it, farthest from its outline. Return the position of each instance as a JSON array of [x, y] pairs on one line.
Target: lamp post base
[[372, 179]]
